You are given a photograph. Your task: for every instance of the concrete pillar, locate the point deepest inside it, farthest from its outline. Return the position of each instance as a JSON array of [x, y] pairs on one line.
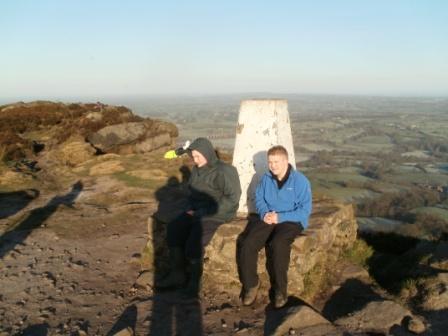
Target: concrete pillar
[[262, 123]]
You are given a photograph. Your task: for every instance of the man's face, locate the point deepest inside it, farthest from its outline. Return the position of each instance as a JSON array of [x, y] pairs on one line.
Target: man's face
[[198, 158], [278, 164]]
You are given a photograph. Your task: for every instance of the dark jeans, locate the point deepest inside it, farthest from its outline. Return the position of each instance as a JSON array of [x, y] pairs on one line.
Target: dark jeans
[[191, 233], [277, 240]]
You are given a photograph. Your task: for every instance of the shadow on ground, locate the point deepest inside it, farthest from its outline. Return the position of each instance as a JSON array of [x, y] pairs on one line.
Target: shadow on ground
[[36, 218]]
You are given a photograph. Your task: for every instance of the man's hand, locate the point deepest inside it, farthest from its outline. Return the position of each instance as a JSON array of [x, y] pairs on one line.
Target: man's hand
[[271, 218], [190, 212]]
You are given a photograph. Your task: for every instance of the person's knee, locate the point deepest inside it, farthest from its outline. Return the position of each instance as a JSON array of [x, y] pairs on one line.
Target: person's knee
[[278, 244]]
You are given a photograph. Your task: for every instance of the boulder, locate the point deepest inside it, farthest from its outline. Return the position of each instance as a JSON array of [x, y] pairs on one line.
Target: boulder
[[297, 317], [415, 325], [145, 280], [375, 317], [133, 137], [434, 292], [332, 228], [153, 143], [116, 135], [74, 152]]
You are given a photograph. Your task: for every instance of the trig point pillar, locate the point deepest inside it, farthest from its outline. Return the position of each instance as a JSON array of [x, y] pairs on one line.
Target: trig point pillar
[[262, 123]]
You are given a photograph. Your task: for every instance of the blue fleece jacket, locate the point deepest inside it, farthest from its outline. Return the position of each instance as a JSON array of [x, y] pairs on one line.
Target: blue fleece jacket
[[292, 202]]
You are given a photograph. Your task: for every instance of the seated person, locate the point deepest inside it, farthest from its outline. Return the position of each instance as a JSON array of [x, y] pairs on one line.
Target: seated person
[[214, 196], [283, 203]]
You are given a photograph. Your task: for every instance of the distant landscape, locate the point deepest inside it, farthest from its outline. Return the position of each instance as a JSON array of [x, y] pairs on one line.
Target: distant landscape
[[387, 155]]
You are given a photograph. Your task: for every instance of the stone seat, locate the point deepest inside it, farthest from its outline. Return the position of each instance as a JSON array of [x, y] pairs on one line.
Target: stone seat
[[332, 228]]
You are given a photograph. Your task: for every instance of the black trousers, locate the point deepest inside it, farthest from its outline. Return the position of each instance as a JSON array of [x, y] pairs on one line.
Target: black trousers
[[277, 240], [191, 233]]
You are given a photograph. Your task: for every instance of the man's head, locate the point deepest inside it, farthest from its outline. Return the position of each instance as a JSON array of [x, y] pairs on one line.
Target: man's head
[[278, 161], [202, 152]]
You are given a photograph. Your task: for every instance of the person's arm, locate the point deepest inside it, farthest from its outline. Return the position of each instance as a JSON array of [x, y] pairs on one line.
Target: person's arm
[[302, 203], [260, 203], [228, 182]]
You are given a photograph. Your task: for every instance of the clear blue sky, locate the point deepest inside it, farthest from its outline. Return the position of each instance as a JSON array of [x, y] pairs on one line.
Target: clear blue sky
[[94, 48]]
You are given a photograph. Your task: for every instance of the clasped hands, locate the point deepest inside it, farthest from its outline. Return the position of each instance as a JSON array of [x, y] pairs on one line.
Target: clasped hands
[[271, 218]]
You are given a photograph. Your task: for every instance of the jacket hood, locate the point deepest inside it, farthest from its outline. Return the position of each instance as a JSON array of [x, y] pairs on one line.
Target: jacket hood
[[205, 147]]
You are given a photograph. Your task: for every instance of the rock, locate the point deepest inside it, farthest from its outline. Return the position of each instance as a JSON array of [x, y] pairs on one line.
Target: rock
[[145, 280], [415, 325], [74, 152], [96, 116], [439, 258], [125, 332], [14, 178], [434, 292], [153, 143], [298, 317], [116, 135], [377, 316], [353, 271], [332, 228], [134, 137], [106, 168]]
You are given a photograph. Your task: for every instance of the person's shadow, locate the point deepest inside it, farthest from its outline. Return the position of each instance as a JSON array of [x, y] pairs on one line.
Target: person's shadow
[[12, 202], [260, 164], [171, 316], [36, 218]]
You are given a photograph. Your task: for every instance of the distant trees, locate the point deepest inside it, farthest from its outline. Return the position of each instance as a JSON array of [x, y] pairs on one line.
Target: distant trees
[[397, 205], [375, 170]]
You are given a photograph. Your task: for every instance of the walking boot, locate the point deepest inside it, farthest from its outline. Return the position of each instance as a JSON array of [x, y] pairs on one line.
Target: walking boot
[[250, 295], [280, 300], [176, 276], [191, 291]]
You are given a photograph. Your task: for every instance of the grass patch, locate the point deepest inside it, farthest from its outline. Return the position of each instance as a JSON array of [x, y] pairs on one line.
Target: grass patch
[[312, 282], [359, 253], [133, 181]]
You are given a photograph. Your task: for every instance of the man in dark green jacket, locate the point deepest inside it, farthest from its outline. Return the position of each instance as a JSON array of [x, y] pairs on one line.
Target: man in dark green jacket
[[214, 195]]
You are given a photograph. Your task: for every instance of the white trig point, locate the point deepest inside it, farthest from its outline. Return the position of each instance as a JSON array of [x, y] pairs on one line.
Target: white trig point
[[262, 123]]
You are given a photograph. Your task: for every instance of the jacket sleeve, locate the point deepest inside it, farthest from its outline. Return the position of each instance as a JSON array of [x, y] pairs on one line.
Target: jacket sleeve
[[228, 182], [302, 203], [260, 203]]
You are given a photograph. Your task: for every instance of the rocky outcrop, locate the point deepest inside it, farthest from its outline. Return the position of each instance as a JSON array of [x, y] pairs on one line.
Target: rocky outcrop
[[29, 128], [332, 229], [132, 137]]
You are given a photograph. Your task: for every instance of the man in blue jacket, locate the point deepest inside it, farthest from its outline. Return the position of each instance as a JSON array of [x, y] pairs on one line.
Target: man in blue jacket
[[283, 202]]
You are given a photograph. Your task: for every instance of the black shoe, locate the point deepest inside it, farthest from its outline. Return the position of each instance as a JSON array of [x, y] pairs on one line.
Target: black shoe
[[250, 295]]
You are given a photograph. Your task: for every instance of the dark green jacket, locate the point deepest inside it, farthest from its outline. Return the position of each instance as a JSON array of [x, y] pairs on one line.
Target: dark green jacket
[[214, 188]]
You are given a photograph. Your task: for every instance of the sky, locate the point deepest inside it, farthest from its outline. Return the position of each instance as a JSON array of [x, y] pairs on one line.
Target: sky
[[87, 48]]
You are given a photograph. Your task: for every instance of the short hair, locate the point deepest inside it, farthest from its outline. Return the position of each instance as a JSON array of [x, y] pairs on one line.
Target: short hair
[[278, 150]]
